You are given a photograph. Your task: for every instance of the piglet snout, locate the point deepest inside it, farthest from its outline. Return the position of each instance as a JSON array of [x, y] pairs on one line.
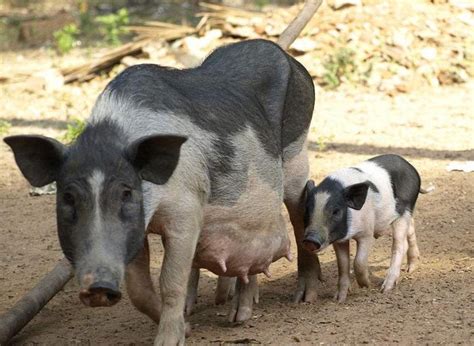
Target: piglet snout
[[312, 241]]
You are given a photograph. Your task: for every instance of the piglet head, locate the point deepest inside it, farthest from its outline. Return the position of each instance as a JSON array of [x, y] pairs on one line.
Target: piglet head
[[99, 205], [326, 213]]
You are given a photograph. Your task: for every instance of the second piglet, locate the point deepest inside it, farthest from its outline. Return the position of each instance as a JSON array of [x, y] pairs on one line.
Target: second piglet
[[362, 203]]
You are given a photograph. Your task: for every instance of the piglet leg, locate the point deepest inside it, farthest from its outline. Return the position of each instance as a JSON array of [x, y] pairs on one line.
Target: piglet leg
[[413, 254], [225, 289], [361, 267], [343, 268], [399, 249], [242, 303]]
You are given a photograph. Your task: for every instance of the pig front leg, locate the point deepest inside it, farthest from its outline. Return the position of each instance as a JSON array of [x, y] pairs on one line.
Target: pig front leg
[[309, 270], [399, 249], [343, 267], [242, 303], [181, 233], [225, 289], [140, 287], [361, 267]]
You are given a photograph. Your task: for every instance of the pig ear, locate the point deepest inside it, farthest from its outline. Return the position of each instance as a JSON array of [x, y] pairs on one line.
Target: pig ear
[[356, 194], [39, 158], [156, 156], [309, 186]]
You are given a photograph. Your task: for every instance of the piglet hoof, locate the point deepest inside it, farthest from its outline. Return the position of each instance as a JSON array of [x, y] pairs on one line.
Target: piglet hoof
[[411, 268], [388, 285]]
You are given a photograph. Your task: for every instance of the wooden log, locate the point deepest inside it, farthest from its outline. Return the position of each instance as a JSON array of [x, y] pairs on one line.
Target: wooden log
[[31, 303]]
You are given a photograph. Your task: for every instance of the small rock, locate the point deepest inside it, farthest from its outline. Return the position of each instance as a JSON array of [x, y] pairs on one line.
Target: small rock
[[428, 53], [304, 45], [463, 4]]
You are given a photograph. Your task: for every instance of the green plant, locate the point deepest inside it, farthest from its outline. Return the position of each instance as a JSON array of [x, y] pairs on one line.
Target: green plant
[[338, 66], [112, 25], [66, 37], [74, 129], [4, 127], [322, 141]]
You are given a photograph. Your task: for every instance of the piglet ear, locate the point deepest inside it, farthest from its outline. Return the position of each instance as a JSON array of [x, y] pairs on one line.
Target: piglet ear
[[156, 156], [39, 158], [356, 194], [309, 186]]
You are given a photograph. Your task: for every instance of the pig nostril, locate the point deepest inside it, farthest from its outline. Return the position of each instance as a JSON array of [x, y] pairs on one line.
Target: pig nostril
[[100, 294], [113, 296]]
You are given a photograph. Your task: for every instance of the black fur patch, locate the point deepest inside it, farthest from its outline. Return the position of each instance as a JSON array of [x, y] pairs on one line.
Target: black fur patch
[[404, 178], [248, 84], [337, 224]]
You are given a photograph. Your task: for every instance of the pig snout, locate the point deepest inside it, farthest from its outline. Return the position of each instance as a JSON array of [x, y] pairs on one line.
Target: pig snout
[[312, 241], [99, 289]]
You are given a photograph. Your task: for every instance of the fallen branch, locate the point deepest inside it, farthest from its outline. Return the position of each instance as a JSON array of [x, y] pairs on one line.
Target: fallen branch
[[87, 71], [289, 35], [27, 307]]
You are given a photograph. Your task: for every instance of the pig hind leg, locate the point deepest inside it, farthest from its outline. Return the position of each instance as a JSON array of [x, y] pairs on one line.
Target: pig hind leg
[[140, 286], [225, 289], [295, 172], [399, 249], [413, 254], [245, 295]]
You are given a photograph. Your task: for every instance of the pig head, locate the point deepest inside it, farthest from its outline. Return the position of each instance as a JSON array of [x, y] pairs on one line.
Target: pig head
[[100, 215]]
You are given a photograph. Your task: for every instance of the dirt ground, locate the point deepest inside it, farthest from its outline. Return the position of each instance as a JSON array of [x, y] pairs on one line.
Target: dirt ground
[[430, 127]]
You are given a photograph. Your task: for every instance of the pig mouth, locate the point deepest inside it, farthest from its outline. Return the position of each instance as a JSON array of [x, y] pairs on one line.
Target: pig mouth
[[311, 246], [100, 294]]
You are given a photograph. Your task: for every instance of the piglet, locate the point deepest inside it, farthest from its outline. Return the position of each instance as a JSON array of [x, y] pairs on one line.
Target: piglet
[[362, 203]]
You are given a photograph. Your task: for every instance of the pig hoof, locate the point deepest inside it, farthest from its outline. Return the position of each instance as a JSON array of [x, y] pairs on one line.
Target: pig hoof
[[189, 305], [340, 297], [171, 333], [411, 268], [240, 315], [306, 291]]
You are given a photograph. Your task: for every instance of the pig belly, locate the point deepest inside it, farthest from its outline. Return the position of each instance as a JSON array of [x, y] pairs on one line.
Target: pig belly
[[241, 247]]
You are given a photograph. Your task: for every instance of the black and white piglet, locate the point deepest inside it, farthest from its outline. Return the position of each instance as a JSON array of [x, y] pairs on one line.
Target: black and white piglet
[[363, 202]]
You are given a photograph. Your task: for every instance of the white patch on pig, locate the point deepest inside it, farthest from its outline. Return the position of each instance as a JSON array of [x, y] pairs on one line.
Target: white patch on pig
[[96, 182], [379, 208]]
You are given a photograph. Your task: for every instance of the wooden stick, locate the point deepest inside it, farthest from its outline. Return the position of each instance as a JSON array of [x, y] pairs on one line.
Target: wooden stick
[[27, 307], [289, 35]]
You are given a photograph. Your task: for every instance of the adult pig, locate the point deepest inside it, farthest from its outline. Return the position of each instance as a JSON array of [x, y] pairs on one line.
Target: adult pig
[[204, 157]]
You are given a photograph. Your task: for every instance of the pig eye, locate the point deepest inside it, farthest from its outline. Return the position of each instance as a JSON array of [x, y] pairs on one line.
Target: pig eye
[[126, 195], [68, 198]]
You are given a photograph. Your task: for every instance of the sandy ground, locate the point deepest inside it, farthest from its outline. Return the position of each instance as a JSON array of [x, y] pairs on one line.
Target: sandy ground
[[430, 127]]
